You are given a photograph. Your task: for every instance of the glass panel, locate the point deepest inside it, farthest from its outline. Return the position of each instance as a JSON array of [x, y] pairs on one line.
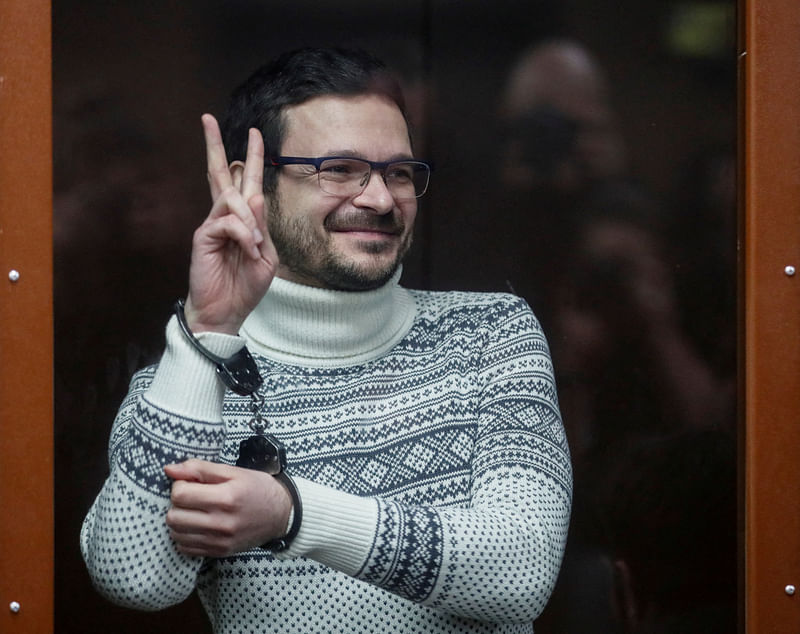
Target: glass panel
[[584, 159]]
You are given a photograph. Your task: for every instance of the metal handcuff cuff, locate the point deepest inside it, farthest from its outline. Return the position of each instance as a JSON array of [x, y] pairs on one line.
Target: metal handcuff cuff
[[261, 451]]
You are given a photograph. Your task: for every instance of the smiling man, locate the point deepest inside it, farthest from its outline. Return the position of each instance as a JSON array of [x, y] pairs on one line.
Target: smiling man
[[320, 449], [352, 231]]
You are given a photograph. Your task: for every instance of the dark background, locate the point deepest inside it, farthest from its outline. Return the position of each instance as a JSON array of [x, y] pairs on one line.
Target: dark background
[[647, 399]]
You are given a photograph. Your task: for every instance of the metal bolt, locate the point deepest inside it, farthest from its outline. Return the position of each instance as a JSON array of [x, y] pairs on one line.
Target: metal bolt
[[790, 590], [14, 606], [13, 275], [789, 270]]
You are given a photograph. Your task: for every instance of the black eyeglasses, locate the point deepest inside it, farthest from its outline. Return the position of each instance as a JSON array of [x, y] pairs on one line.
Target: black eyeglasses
[[347, 176]]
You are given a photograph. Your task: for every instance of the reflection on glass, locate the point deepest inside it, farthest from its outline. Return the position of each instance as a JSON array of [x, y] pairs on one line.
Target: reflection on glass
[[621, 274]]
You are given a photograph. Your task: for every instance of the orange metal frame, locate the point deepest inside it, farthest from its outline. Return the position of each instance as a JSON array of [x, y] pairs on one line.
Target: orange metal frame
[[771, 310], [771, 197], [26, 332]]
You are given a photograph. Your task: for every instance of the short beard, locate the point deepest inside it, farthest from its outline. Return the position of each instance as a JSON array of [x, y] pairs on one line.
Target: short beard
[[309, 259]]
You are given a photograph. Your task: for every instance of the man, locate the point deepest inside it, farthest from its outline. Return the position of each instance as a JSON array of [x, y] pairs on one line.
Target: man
[[430, 483]]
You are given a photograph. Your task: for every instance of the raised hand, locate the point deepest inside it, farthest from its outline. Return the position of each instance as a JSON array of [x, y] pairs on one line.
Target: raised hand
[[218, 510], [233, 258]]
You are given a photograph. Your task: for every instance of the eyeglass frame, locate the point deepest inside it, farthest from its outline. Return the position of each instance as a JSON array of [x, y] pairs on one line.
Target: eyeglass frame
[[380, 166]]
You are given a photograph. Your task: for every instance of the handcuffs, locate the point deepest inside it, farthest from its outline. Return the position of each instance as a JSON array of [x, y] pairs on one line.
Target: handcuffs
[[261, 451]]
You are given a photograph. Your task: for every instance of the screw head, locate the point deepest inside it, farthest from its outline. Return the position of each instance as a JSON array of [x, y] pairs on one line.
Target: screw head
[[790, 590], [14, 606], [13, 275], [789, 270]]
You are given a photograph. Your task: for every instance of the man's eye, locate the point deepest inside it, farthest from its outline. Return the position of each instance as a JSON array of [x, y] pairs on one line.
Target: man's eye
[[340, 169], [336, 169], [400, 173]]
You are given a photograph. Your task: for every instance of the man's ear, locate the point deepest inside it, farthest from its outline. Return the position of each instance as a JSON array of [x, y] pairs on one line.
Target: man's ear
[[237, 173]]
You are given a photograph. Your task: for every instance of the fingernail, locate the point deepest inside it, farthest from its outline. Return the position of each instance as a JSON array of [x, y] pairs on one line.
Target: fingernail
[[258, 236]]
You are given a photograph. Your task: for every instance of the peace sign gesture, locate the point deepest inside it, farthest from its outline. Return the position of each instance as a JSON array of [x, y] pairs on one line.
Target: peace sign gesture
[[233, 259]]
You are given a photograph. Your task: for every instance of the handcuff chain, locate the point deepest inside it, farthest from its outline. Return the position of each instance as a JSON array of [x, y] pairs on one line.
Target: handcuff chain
[[257, 423]]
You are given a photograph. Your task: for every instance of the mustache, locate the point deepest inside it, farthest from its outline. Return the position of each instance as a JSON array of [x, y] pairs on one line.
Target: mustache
[[364, 221]]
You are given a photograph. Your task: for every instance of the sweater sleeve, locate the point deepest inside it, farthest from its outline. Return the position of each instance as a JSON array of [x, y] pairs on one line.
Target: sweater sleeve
[[171, 413], [497, 558]]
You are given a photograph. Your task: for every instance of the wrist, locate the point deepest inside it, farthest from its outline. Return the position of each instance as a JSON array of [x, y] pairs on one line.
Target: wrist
[[338, 528], [294, 515], [185, 381], [238, 372], [197, 323]]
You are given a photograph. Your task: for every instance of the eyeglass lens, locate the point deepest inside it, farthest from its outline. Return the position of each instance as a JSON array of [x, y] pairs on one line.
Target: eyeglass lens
[[348, 177]]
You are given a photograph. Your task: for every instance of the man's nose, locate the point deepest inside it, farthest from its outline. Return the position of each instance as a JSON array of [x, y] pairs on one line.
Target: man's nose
[[376, 194]]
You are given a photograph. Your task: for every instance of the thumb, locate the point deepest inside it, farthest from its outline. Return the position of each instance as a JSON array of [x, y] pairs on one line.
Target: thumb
[[202, 471]]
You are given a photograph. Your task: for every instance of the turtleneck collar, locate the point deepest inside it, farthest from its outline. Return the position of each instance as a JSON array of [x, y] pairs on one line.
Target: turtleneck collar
[[308, 326]]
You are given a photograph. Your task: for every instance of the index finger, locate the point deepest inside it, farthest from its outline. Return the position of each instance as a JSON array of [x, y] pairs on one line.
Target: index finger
[[253, 177], [219, 176], [199, 471]]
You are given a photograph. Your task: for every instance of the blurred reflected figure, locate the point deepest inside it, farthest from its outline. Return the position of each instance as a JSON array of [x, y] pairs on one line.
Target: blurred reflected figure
[[599, 267], [596, 266], [560, 146], [562, 133], [627, 367]]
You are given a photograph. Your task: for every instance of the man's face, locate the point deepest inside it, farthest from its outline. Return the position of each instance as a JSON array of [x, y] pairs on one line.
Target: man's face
[[354, 243]]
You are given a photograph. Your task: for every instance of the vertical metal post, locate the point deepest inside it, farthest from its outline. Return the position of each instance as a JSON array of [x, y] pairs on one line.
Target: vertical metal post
[[771, 198], [26, 329]]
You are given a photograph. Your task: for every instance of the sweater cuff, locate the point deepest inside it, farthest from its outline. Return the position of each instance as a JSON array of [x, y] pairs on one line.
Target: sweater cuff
[[338, 529], [185, 381]]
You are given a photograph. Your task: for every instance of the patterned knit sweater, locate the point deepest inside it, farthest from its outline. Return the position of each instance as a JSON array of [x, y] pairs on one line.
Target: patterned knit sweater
[[423, 432]]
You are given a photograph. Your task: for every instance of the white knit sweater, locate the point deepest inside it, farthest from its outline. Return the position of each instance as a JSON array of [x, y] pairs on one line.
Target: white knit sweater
[[423, 432]]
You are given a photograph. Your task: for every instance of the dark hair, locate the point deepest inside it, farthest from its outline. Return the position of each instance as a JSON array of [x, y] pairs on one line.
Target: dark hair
[[294, 78]]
